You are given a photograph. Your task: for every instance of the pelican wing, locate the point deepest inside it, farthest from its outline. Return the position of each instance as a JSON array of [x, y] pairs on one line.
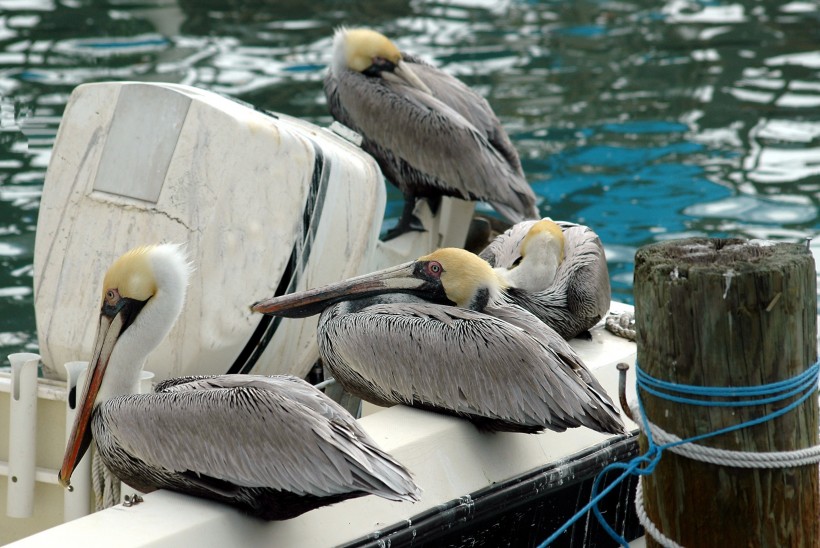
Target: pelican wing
[[461, 98], [587, 289], [276, 432], [457, 359], [421, 138], [603, 410]]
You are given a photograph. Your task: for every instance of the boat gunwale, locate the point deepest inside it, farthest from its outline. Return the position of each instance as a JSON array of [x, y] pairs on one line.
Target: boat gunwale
[[508, 494]]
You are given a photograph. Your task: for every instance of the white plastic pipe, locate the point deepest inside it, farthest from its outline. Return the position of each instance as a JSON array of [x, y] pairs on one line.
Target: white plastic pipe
[[145, 383], [455, 218], [22, 435], [77, 502], [447, 228]]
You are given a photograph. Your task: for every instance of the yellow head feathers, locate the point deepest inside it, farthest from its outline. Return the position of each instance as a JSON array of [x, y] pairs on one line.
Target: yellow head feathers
[[548, 229], [464, 274], [362, 46], [132, 275]]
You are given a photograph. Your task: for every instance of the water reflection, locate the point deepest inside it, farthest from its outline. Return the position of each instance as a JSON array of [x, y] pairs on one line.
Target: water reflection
[[647, 121]]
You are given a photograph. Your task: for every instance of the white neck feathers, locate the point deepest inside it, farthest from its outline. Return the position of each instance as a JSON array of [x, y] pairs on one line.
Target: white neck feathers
[[171, 271]]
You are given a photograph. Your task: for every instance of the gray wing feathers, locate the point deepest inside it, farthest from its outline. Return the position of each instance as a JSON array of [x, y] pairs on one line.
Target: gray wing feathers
[[280, 433], [468, 104], [458, 359], [435, 135], [601, 409], [588, 292]]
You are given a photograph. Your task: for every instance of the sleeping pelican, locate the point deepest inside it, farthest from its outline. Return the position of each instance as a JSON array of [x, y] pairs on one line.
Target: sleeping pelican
[[431, 135], [557, 271], [275, 447], [435, 333]]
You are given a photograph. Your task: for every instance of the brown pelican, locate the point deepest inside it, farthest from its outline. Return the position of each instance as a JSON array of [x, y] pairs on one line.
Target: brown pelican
[[557, 271], [274, 447], [436, 334], [431, 135]]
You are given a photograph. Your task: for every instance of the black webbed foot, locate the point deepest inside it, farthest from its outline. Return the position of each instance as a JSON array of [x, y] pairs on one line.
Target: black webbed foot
[[407, 221], [412, 224]]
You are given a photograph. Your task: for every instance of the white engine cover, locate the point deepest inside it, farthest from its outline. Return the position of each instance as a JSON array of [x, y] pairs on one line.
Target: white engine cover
[[256, 198]]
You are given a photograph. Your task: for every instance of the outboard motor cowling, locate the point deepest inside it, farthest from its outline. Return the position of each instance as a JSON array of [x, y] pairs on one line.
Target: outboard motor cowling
[[264, 203]]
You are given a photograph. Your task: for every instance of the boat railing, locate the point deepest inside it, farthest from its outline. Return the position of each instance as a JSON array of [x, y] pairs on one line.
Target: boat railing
[[23, 474]]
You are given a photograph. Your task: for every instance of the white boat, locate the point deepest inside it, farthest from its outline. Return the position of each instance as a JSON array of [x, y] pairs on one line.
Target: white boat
[[138, 163]]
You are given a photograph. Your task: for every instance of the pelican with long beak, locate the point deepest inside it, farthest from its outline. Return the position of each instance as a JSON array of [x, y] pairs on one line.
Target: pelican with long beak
[[436, 333], [556, 271], [274, 447], [431, 135]]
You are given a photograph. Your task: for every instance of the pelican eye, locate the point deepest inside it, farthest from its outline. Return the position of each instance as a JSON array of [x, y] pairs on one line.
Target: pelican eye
[[379, 65], [112, 296], [434, 269]]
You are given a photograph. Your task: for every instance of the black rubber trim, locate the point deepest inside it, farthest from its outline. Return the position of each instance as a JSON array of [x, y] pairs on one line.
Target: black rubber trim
[[428, 528], [311, 216]]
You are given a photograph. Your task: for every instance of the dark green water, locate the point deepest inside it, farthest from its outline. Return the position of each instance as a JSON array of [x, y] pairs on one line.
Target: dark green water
[[645, 120]]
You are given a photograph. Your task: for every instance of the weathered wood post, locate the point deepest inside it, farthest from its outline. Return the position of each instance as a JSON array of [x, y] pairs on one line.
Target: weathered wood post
[[714, 312]]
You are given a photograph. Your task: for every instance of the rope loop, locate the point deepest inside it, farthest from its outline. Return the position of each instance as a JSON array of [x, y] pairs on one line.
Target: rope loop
[[805, 385], [767, 393]]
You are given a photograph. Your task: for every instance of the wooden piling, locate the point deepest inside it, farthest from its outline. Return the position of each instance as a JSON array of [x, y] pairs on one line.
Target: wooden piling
[[716, 312]]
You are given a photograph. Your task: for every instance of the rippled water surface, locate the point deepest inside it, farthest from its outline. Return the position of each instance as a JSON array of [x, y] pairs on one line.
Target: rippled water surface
[[645, 120]]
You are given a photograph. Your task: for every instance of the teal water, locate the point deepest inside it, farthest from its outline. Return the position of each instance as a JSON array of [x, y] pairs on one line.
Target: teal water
[[646, 120]]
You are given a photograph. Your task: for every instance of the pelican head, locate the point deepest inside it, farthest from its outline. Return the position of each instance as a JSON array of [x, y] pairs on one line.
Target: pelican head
[[143, 293], [372, 54], [542, 251], [466, 279], [446, 276], [545, 235]]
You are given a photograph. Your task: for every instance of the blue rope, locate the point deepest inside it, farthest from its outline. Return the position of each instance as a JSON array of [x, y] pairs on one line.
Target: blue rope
[[776, 391], [723, 391], [806, 382]]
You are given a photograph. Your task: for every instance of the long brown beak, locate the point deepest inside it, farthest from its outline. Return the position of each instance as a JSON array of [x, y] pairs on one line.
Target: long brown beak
[[401, 278], [410, 78], [107, 333]]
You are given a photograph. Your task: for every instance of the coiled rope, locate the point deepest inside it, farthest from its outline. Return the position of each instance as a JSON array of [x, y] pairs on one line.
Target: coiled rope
[[805, 384], [621, 325], [105, 484], [648, 526]]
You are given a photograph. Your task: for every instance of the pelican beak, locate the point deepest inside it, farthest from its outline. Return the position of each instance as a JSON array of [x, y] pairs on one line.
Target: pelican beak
[[404, 278], [409, 77], [108, 331]]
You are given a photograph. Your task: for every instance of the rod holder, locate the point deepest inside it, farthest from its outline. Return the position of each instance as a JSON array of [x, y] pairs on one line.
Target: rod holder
[[22, 435], [146, 382], [77, 502]]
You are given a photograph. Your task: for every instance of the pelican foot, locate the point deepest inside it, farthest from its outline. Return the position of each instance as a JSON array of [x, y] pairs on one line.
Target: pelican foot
[[404, 225], [584, 335]]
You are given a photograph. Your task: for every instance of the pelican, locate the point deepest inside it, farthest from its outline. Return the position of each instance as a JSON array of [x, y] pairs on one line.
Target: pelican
[[274, 447], [557, 271], [431, 135], [435, 333]]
